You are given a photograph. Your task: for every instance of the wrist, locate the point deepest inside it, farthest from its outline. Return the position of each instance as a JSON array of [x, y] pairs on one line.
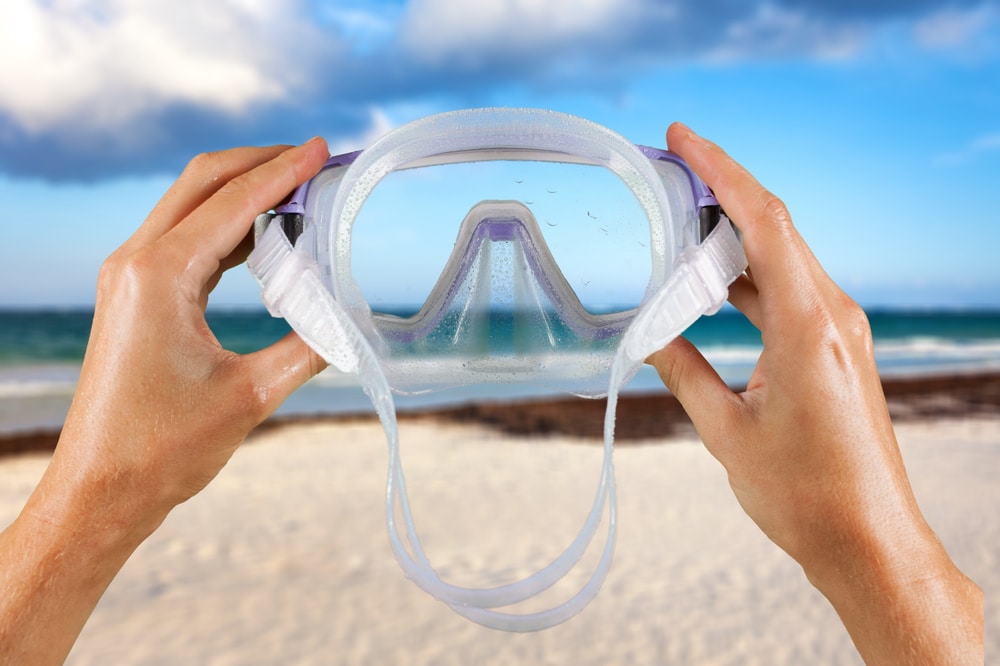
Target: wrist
[[102, 510], [60, 554], [903, 600]]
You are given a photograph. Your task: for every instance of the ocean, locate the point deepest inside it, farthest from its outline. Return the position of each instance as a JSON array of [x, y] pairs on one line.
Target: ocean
[[41, 352]]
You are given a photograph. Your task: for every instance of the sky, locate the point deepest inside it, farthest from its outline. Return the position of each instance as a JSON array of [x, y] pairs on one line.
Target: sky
[[877, 121]]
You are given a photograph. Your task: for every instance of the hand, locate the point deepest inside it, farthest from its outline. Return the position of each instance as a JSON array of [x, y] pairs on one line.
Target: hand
[[159, 400], [160, 406], [809, 447]]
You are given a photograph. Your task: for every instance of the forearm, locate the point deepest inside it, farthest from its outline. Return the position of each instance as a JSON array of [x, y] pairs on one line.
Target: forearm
[[923, 611], [58, 558]]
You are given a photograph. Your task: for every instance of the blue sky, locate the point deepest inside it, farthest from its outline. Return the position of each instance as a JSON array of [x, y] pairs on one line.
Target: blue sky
[[878, 122]]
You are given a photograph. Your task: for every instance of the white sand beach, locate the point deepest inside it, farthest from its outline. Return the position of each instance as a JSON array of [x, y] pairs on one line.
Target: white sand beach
[[284, 559]]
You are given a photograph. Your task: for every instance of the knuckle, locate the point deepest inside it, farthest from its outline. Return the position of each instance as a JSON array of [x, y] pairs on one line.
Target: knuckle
[[108, 275], [140, 272], [843, 328], [238, 189], [111, 266], [239, 193], [121, 267], [203, 165], [856, 324], [774, 212], [116, 281]]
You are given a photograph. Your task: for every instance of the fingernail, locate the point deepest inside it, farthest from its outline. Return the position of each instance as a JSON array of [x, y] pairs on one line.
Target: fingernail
[[315, 139], [687, 130]]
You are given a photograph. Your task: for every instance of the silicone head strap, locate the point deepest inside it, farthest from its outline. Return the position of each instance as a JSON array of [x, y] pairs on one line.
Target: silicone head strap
[[291, 290], [312, 311]]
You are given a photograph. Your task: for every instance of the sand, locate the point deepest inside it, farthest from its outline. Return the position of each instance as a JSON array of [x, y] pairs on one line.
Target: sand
[[284, 559]]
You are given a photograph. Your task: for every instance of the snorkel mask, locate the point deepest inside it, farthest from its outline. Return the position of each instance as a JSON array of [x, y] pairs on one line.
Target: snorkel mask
[[508, 305]]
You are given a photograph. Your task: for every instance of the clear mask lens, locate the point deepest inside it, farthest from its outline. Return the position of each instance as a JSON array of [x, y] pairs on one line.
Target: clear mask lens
[[589, 220], [511, 266]]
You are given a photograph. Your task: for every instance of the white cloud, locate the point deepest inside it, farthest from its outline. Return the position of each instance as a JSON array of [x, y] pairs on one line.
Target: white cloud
[[954, 28], [99, 64], [379, 124], [772, 31], [977, 148], [354, 21], [92, 88], [436, 29]]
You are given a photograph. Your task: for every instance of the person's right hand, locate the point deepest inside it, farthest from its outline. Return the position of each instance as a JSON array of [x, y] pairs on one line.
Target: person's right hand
[[160, 406], [809, 446]]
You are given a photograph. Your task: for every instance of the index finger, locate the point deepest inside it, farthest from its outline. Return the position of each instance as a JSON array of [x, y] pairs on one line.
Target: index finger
[[783, 265], [202, 178], [217, 226]]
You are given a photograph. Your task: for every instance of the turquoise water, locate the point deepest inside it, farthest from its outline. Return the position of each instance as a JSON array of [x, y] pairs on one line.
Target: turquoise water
[[41, 352]]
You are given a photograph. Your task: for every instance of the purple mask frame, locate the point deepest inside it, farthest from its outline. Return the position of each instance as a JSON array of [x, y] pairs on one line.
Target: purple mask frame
[[600, 326], [295, 204]]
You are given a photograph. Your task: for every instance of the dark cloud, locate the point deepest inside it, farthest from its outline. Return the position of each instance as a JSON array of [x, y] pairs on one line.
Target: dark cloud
[[160, 143], [879, 9], [343, 85]]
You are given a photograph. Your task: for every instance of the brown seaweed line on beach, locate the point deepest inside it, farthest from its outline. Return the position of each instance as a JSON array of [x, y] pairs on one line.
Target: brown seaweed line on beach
[[640, 417]]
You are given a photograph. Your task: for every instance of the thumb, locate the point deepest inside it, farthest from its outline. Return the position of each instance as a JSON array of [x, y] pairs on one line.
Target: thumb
[[278, 370], [702, 393]]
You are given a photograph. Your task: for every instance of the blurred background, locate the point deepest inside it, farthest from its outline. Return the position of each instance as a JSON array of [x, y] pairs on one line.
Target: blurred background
[[877, 122]]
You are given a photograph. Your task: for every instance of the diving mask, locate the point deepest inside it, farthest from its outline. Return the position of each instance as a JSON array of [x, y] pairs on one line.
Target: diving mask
[[510, 302]]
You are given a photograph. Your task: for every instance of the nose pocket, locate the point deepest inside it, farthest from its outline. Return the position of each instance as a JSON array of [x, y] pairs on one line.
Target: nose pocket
[[501, 301]]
